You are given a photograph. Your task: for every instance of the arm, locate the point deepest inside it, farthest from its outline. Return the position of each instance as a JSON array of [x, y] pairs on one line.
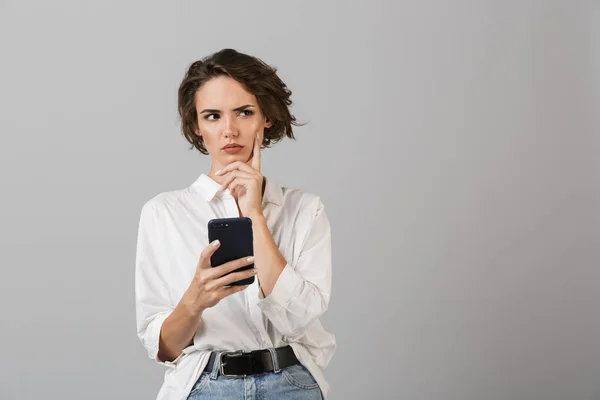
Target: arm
[[179, 328], [269, 260], [164, 330], [295, 295]]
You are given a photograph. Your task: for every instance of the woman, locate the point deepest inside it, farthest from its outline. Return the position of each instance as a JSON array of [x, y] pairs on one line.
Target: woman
[[227, 342]]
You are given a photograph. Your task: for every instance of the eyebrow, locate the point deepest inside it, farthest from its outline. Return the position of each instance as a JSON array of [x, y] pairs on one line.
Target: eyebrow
[[212, 110]]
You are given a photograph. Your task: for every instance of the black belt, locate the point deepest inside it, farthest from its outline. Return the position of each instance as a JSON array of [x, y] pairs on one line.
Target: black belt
[[237, 364]]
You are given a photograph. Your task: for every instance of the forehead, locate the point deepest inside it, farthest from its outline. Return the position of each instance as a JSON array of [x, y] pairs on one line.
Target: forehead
[[221, 93]]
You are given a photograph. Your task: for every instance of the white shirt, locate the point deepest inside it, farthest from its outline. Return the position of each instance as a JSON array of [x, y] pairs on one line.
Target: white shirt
[[173, 231]]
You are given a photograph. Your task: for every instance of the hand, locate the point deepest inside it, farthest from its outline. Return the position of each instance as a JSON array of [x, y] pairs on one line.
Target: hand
[[208, 284], [245, 181]]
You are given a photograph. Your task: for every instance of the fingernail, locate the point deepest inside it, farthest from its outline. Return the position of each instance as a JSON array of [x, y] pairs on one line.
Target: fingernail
[[254, 271], [250, 259], [218, 172], [216, 243]]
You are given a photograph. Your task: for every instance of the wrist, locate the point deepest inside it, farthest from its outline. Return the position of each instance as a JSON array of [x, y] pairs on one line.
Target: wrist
[[257, 217], [189, 301]]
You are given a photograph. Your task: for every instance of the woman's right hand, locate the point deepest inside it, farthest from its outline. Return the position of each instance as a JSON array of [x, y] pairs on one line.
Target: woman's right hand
[[208, 284]]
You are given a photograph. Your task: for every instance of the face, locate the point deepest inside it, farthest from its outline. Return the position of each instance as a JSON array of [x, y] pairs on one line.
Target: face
[[228, 114]]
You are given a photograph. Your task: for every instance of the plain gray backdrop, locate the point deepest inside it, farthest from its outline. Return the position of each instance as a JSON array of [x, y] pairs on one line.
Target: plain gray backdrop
[[454, 143]]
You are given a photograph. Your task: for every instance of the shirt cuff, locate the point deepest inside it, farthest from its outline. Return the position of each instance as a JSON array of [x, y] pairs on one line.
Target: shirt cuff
[[154, 332], [170, 364]]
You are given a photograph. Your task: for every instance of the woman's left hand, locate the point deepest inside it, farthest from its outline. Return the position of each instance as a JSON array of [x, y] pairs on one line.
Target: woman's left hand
[[246, 181]]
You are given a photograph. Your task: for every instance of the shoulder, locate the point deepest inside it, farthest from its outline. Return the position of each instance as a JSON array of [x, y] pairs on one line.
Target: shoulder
[[306, 212], [161, 203], [301, 201]]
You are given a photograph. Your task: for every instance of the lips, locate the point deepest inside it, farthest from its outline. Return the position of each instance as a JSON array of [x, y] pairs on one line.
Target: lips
[[232, 146]]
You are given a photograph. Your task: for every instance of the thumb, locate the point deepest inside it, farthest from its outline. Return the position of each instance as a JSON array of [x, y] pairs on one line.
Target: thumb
[[204, 261]]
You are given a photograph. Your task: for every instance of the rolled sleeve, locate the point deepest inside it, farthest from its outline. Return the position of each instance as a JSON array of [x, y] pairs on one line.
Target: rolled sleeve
[[152, 299], [302, 291], [151, 338]]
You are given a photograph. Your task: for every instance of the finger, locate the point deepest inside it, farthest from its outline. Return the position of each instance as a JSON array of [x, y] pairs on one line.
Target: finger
[[226, 182], [204, 261], [234, 277], [233, 289], [236, 165], [230, 266], [232, 175], [240, 182], [256, 152], [240, 173]]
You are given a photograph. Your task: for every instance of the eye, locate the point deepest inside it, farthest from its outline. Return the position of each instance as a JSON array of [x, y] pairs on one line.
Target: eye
[[249, 112], [208, 117]]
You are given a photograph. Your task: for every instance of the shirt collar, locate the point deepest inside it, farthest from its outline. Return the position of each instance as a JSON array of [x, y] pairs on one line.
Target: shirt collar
[[209, 189]]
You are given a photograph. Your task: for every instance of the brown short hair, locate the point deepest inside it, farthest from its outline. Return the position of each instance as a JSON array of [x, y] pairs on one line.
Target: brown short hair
[[260, 79]]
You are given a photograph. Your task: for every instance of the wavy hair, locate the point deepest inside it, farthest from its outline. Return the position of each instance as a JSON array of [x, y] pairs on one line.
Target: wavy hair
[[257, 77]]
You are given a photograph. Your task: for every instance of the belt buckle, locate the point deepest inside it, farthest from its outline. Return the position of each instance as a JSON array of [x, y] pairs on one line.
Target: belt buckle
[[231, 353]]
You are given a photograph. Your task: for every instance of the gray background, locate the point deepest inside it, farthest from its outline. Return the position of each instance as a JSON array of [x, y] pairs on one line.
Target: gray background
[[454, 143]]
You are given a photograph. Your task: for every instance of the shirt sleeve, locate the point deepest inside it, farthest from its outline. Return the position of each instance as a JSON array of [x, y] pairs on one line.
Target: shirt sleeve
[[152, 300], [302, 291]]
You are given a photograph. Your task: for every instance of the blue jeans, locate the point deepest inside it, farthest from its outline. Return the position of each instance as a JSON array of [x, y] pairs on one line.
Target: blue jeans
[[291, 383]]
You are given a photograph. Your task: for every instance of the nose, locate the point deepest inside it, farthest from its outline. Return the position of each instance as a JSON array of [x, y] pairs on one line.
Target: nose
[[230, 128]]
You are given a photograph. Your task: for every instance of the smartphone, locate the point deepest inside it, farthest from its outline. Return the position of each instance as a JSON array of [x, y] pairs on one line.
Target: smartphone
[[235, 235]]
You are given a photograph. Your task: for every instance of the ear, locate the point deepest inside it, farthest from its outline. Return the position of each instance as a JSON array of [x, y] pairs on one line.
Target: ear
[[268, 123]]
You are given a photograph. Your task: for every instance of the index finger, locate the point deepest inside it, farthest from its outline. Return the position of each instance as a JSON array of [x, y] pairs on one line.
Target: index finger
[[256, 152]]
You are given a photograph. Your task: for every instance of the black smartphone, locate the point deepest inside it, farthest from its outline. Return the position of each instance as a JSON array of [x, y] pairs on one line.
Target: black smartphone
[[235, 235]]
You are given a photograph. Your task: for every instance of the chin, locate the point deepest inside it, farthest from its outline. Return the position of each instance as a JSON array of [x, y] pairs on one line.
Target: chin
[[236, 157]]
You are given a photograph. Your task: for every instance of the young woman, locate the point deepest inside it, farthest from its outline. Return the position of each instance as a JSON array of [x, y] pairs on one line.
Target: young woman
[[229, 342]]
